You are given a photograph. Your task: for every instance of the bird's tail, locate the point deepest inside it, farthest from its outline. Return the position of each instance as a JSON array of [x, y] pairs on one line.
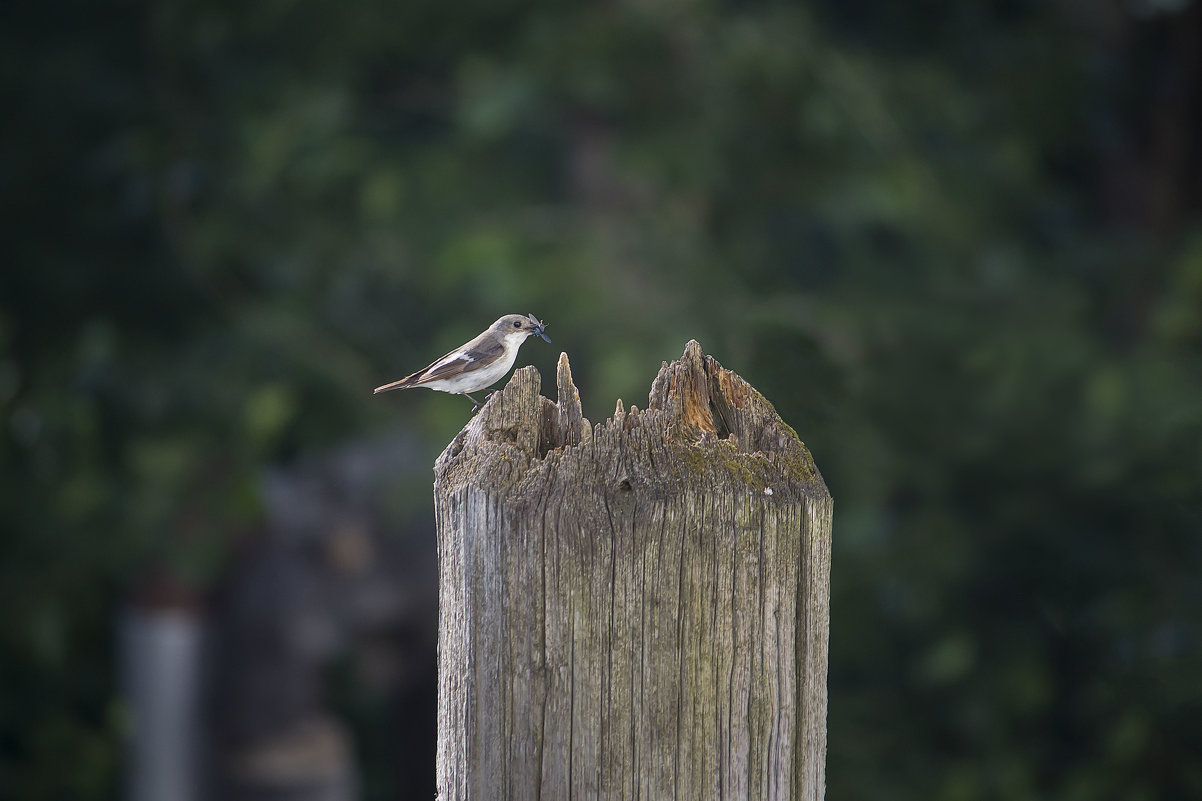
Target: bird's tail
[[403, 383]]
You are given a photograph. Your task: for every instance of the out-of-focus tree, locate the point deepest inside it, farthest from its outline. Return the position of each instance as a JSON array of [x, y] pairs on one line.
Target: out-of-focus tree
[[957, 244]]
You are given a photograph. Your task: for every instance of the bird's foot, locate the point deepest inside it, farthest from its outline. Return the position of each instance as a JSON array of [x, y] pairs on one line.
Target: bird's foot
[[477, 404]]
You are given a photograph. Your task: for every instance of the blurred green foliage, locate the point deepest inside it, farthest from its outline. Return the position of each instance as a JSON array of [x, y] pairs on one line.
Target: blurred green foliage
[[225, 223]]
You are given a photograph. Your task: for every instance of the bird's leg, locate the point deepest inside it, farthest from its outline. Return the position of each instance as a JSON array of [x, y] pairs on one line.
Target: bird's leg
[[475, 403]]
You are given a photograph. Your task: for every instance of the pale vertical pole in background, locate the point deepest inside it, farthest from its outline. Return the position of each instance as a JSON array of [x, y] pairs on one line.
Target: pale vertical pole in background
[[161, 668]]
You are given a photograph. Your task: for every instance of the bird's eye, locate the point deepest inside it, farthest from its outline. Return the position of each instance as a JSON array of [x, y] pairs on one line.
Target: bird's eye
[[517, 323]]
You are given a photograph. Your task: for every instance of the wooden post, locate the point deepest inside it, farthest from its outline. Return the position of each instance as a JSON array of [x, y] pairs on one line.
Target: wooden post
[[633, 610]]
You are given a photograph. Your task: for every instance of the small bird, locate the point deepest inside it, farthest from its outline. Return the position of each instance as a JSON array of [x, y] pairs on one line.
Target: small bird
[[478, 364]]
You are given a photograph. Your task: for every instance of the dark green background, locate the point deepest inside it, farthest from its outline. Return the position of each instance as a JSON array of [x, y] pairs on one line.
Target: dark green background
[[957, 243]]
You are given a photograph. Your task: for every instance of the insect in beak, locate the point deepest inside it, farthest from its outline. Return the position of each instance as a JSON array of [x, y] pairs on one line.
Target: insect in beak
[[540, 327]]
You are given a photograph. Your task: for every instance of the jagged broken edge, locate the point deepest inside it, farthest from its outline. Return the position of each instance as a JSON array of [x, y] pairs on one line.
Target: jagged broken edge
[[694, 396]]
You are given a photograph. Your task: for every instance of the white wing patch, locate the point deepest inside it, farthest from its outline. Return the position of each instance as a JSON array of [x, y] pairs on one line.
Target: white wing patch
[[451, 358]]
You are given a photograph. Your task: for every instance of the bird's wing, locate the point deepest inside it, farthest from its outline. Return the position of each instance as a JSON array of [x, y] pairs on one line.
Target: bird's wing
[[480, 352]]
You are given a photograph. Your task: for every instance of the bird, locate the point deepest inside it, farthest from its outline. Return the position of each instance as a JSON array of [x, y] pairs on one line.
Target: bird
[[477, 364]]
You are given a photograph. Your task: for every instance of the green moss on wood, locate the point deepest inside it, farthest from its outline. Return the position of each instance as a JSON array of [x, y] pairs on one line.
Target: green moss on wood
[[758, 471]]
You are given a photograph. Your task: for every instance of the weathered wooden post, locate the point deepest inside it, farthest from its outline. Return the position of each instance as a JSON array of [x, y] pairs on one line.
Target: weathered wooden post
[[635, 610]]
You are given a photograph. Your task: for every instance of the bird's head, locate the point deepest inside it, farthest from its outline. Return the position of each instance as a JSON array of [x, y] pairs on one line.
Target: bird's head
[[512, 324]]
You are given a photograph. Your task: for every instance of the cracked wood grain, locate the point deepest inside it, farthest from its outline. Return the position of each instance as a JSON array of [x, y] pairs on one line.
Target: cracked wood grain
[[636, 609]]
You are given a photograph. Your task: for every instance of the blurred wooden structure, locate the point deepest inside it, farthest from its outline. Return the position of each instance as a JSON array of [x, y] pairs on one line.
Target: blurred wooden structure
[[637, 609], [336, 590]]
